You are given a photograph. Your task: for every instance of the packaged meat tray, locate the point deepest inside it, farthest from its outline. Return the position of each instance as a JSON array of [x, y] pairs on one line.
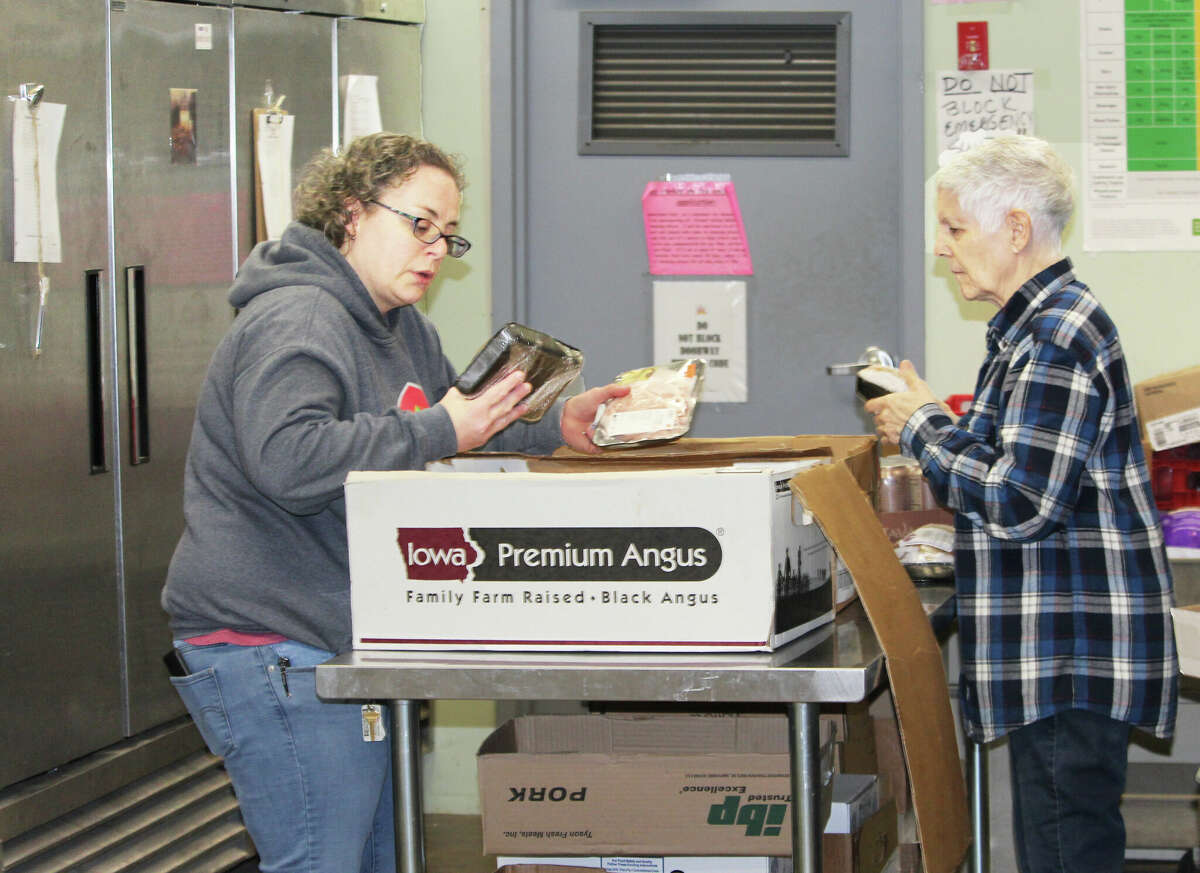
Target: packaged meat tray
[[878, 380], [659, 405], [928, 552], [549, 366]]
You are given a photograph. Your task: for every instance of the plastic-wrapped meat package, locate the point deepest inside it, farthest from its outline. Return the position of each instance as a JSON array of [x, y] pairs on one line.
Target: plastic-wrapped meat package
[[878, 380], [659, 405], [549, 366], [927, 553]]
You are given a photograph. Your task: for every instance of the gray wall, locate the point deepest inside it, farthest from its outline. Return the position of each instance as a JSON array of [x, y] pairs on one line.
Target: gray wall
[[836, 241]]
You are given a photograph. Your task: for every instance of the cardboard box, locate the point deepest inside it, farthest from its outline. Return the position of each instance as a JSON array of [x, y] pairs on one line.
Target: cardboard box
[[1187, 638], [699, 548], [870, 744], [889, 755], [854, 737], [867, 850], [640, 785], [649, 864], [1169, 408], [855, 799], [539, 868], [856, 452]]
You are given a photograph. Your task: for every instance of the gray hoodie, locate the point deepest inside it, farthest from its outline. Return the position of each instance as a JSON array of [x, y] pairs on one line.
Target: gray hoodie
[[303, 389]]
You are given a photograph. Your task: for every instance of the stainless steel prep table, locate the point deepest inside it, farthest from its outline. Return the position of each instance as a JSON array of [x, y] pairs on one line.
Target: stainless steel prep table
[[839, 663]]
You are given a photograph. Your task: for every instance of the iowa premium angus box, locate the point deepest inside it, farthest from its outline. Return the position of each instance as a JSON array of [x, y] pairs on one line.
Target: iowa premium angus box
[[687, 550]]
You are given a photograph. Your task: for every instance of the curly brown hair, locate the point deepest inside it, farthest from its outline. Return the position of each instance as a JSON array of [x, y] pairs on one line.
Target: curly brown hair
[[360, 172]]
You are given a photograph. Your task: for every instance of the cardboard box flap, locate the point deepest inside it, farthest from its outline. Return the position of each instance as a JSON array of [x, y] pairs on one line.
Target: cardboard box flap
[[739, 730], [731, 448], [554, 734], [632, 735], [855, 450], [1186, 620], [502, 739], [915, 669]]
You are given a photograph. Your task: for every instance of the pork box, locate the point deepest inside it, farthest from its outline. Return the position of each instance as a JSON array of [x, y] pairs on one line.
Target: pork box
[[642, 785]]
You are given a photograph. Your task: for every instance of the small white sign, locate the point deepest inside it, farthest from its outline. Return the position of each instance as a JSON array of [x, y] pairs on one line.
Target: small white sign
[[704, 319], [360, 107], [204, 37]]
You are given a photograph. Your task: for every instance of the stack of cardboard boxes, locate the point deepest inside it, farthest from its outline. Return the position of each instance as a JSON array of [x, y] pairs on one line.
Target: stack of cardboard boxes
[[1169, 412], [661, 792], [1159, 803]]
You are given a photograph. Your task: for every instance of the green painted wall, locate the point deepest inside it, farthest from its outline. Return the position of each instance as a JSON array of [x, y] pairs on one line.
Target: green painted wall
[[455, 113], [1154, 297]]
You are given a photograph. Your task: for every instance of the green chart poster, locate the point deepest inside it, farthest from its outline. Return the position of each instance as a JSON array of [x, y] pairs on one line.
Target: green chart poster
[[1142, 162]]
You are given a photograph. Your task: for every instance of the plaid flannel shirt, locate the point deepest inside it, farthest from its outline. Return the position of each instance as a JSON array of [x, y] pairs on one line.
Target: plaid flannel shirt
[[1064, 590]]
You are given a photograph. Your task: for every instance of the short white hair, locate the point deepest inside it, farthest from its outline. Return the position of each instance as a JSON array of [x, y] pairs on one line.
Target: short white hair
[[1012, 172]]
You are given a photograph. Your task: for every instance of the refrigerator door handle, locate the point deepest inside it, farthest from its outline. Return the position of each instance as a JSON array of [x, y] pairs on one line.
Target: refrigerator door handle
[[93, 295], [139, 412]]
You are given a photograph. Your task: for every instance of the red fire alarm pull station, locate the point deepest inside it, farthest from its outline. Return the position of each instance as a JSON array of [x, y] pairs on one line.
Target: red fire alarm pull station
[[972, 45]]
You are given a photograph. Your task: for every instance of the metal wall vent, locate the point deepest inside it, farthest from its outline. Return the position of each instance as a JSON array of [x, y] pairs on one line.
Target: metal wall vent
[[715, 83]]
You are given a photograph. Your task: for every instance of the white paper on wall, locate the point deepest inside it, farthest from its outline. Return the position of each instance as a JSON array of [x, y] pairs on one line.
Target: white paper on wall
[[360, 107], [36, 234], [273, 151], [704, 319]]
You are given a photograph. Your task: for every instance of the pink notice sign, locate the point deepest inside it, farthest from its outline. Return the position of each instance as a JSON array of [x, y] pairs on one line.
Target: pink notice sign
[[695, 229]]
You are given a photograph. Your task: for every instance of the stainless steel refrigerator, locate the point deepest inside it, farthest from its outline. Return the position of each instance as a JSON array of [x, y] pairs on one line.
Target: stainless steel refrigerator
[[99, 376]]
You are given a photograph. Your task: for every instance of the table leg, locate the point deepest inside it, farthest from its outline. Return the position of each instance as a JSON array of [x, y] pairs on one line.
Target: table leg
[[406, 786], [805, 748], [977, 782]]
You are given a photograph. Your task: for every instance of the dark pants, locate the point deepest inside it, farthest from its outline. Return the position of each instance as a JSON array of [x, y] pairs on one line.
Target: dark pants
[[1068, 774]]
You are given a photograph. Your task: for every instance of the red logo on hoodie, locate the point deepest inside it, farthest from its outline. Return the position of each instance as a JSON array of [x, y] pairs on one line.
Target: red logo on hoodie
[[412, 398]]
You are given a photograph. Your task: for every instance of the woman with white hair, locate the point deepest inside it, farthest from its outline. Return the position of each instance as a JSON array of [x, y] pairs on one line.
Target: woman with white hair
[[1064, 590]]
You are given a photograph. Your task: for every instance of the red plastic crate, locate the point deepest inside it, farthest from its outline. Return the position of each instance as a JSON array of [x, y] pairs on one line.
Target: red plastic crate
[[1175, 477]]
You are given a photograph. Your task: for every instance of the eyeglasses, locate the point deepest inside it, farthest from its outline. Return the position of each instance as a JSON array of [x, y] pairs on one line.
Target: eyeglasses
[[428, 232]]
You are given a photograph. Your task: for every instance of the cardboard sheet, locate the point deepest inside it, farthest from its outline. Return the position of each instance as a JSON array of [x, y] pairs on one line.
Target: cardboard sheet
[[914, 663], [855, 451]]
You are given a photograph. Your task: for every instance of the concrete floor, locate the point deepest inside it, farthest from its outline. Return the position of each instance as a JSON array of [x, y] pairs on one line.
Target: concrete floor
[[453, 844]]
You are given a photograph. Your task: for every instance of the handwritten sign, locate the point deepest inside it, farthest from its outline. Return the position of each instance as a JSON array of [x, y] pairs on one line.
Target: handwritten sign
[[982, 103], [704, 319], [694, 228]]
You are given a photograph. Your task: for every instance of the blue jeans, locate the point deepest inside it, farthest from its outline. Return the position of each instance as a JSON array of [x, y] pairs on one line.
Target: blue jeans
[[315, 797], [1068, 774]]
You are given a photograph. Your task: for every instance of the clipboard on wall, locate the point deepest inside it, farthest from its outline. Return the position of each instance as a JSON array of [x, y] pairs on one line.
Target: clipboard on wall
[[271, 143]]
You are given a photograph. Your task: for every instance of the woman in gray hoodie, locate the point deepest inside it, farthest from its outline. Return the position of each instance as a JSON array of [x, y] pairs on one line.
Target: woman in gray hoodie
[[328, 368]]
